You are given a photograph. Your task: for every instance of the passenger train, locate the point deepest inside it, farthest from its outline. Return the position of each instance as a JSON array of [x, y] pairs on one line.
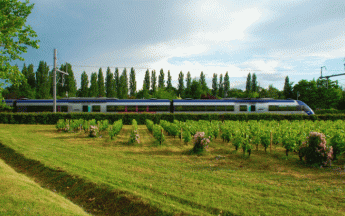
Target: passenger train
[[114, 105]]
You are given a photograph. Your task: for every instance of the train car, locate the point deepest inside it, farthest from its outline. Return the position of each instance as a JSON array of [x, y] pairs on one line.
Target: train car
[[242, 105], [104, 105]]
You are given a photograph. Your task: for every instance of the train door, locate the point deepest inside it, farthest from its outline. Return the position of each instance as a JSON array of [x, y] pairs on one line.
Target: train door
[[86, 108], [251, 108]]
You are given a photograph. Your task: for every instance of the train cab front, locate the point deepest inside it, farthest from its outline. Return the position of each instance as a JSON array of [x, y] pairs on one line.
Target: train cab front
[[306, 108]]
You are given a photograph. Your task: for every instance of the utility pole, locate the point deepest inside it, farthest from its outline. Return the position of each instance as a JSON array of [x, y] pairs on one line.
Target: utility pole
[[327, 77], [54, 81]]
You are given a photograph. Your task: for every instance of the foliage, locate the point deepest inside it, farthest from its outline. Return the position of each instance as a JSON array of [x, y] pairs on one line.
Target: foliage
[[94, 86], [132, 83], [161, 79], [214, 85], [115, 128], [15, 38], [315, 150], [100, 83], [157, 133], [109, 84], [84, 88], [153, 81], [147, 80], [134, 136], [180, 89], [338, 144]]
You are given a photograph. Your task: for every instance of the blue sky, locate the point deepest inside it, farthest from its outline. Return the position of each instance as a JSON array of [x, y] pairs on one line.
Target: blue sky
[[274, 39]]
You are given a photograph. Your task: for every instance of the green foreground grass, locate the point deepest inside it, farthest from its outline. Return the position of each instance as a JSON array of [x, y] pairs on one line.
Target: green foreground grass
[[19, 195], [109, 177]]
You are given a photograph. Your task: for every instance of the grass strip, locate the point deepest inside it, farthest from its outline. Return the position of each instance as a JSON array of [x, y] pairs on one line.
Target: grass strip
[[97, 199]]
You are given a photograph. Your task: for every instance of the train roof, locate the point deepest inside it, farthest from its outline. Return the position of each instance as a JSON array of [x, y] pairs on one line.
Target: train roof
[[91, 100]]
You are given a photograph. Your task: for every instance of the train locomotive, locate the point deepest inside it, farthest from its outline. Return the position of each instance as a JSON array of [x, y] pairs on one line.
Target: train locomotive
[[114, 105]]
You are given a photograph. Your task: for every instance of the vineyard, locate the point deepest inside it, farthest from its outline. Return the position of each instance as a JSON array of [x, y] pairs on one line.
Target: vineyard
[[247, 136], [186, 168]]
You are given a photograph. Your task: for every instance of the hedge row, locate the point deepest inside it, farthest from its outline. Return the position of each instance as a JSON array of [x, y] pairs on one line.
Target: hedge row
[[52, 118]]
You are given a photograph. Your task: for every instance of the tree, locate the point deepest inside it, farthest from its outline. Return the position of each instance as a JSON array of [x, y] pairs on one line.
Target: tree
[[188, 92], [94, 85], [153, 81], [169, 84], [254, 84], [42, 86], [180, 89], [226, 85], [203, 83], [100, 81], [132, 83], [84, 85], [70, 85], [288, 93], [117, 82], [15, 37], [123, 85], [248, 84], [221, 86], [214, 85], [196, 89], [273, 92], [162, 93], [161, 79], [109, 84], [147, 80]]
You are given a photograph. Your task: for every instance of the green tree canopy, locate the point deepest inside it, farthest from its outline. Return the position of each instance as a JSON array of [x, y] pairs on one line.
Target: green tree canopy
[[180, 88], [169, 84], [147, 80], [15, 37], [196, 88], [100, 81], [226, 84], [161, 79], [153, 81], [188, 92], [221, 86], [93, 92], [132, 83], [42, 85], [109, 84], [248, 84], [84, 85], [214, 85], [117, 82]]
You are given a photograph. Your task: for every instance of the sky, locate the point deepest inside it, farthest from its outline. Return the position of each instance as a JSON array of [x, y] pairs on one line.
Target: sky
[[270, 38]]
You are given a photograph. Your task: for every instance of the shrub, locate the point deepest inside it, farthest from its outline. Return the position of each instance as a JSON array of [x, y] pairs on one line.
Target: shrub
[[315, 150], [338, 144], [200, 142], [115, 128], [93, 131], [186, 136], [60, 125]]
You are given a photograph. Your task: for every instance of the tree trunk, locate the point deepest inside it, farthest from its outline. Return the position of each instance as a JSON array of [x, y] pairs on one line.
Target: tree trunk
[[287, 152], [249, 151]]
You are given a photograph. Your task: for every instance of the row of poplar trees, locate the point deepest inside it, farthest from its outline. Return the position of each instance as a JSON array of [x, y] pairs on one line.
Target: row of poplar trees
[[39, 85]]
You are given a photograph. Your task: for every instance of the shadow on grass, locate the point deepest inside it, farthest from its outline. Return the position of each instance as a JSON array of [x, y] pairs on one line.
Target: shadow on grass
[[97, 199]]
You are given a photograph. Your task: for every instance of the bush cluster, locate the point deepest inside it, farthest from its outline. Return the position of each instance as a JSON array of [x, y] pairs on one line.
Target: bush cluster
[[315, 150], [200, 142]]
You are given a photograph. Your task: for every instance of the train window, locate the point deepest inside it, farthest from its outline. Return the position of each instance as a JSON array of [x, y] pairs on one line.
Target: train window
[[292, 108], [142, 108], [96, 108], [178, 108], [230, 108], [159, 108], [220, 108], [131, 108], [63, 109], [243, 107], [120, 108], [198, 108], [272, 108], [85, 108], [210, 108], [39, 108], [111, 108]]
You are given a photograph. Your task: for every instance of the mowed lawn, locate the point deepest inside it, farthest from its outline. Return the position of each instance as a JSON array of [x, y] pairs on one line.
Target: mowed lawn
[[222, 182], [20, 195]]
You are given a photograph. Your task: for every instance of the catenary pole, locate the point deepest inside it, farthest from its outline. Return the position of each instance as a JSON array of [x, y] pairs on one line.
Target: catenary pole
[[54, 83]]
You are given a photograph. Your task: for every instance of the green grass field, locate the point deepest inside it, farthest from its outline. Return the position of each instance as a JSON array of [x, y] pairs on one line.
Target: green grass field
[[111, 178], [20, 195]]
